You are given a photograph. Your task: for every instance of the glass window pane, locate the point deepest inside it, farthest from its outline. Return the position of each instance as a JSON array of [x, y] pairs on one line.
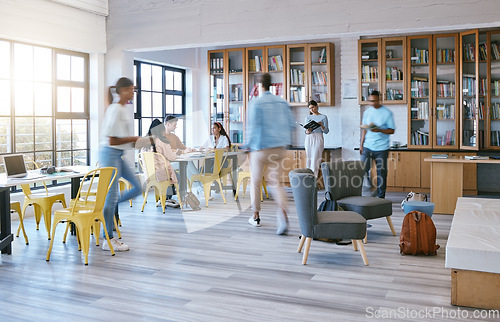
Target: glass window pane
[[157, 105], [63, 99], [28, 157], [43, 64], [63, 67], [63, 134], [5, 137], [169, 80], [146, 104], [136, 128], [77, 100], [80, 157], [23, 62], [23, 98], [43, 159], [145, 77], [157, 81], [24, 134], [77, 69], [63, 159], [146, 122], [79, 134], [43, 133], [4, 97], [4, 59], [169, 104], [178, 81], [179, 130], [43, 99], [177, 104]]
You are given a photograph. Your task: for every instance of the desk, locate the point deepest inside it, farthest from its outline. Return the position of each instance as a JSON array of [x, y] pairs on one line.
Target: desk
[[6, 236], [447, 181], [196, 156]]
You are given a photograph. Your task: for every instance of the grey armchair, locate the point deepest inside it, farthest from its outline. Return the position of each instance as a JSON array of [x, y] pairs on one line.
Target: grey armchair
[[323, 224], [344, 180]]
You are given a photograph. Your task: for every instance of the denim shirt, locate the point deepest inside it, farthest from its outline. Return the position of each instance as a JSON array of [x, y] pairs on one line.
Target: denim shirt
[[270, 123]]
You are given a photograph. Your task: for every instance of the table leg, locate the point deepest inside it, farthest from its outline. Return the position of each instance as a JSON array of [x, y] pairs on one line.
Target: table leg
[[75, 186], [6, 236], [235, 173], [446, 185], [183, 178]]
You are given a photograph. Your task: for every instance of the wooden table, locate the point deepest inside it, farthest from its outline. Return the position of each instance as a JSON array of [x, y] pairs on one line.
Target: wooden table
[[447, 181], [6, 236]]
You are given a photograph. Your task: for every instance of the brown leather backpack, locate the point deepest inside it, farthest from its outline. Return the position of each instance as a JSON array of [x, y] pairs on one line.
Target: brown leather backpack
[[418, 235]]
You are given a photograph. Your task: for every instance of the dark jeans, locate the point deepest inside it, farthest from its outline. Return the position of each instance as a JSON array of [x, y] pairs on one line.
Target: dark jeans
[[380, 158]]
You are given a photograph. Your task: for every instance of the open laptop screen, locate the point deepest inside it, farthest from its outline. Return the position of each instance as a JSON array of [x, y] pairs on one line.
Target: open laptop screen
[[14, 165]]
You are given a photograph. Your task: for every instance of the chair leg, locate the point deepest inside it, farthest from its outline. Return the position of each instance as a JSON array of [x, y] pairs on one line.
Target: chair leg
[[145, 199], [65, 232], [178, 195], [206, 191], [362, 251], [237, 190], [354, 245], [117, 229], [306, 250], [47, 218], [54, 224], [220, 187], [265, 188], [301, 243], [85, 240], [389, 221], [21, 223], [245, 184], [107, 238]]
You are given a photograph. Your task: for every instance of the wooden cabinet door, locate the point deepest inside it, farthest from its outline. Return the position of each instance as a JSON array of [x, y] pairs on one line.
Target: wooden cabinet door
[[425, 170], [301, 159], [288, 163], [391, 169], [407, 171], [470, 172]]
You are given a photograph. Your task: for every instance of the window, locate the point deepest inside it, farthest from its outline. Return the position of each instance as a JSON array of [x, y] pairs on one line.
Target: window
[[161, 91], [44, 107]]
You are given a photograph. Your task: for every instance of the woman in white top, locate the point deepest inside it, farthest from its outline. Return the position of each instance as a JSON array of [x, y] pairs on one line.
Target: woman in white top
[[314, 142], [219, 138]]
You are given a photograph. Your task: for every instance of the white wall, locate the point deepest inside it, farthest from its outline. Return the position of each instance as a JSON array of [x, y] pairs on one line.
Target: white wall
[[175, 28]]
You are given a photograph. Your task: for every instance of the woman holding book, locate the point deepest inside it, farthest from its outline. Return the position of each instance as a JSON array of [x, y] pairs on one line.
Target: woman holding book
[[315, 142]]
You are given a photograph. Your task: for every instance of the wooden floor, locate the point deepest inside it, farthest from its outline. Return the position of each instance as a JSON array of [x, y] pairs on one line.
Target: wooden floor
[[211, 265]]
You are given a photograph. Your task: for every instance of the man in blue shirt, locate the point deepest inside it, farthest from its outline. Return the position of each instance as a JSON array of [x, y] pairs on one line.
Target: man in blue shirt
[[269, 130], [375, 140]]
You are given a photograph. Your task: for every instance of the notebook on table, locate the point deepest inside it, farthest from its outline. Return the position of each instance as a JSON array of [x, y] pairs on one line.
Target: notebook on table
[[15, 167]]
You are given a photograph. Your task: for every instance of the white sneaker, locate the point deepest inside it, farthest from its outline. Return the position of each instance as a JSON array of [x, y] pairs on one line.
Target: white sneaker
[[118, 246], [172, 203], [254, 222]]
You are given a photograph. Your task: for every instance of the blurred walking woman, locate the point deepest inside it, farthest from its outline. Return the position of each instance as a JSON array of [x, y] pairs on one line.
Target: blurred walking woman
[[117, 137], [314, 142]]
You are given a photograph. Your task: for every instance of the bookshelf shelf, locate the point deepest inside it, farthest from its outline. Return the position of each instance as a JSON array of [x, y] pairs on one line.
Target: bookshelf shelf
[[296, 63]]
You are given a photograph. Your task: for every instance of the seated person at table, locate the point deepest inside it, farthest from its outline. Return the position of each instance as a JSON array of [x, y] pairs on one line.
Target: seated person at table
[[160, 144], [219, 138], [175, 142]]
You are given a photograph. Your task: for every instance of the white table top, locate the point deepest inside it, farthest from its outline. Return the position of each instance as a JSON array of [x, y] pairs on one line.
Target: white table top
[[78, 171], [199, 155], [474, 234]]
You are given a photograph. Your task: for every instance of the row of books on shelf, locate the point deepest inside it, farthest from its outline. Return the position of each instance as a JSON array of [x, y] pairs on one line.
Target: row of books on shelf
[[495, 111], [319, 78], [275, 63], [469, 138], [297, 94], [369, 73], [236, 113], [419, 56], [255, 64], [322, 56], [216, 65], [419, 138], [297, 76], [236, 136], [420, 110], [495, 51], [445, 89], [393, 73], [276, 89], [217, 85], [495, 138], [445, 55], [469, 85], [495, 88], [320, 97], [469, 51], [470, 109], [445, 112], [393, 94], [419, 87], [447, 139]]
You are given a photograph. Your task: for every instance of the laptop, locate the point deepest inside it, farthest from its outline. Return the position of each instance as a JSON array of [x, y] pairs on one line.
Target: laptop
[[15, 167]]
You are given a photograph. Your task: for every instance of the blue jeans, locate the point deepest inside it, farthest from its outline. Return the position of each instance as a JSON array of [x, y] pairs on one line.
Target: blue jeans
[[110, 157], [380, 158]]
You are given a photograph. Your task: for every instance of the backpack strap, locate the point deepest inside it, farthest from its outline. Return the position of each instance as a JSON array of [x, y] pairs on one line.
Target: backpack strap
[[423, 234], [413, 232]]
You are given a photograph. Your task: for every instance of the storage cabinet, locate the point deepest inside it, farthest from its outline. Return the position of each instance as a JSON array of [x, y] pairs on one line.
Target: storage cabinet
[[403, 169], [493, 98], [311, 74], [297, 159]]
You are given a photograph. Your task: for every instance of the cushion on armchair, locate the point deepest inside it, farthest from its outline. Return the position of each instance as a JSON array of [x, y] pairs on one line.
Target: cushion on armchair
[[368, 207], [340, 224]]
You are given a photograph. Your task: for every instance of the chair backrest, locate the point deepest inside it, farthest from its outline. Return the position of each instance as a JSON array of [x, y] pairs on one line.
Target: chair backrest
[[106, 177], [147, 162], [219, 158], [343, 178], [304, 190]]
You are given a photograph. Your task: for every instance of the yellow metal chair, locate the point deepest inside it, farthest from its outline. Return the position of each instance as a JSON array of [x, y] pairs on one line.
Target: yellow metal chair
[[147, 162], [243, 177], [228, 169], [85, 214], [42, 203], [15, 206], [207, 179]]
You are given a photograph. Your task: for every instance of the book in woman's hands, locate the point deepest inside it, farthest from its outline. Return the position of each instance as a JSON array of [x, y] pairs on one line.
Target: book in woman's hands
[[370, 126], [313, 125]]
